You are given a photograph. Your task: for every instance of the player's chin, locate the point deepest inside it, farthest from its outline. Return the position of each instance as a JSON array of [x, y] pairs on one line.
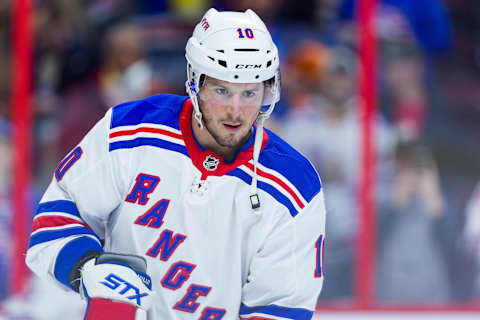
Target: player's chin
[[232, 140]]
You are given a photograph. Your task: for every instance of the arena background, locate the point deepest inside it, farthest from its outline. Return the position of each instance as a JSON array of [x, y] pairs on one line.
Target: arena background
[[383, 96]]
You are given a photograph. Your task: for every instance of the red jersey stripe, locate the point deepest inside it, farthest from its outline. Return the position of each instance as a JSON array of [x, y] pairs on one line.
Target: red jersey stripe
[[279, 182], [54, 221], [145, 129]]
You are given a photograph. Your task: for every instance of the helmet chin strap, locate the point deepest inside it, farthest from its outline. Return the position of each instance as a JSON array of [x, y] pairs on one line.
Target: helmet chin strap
[[198, 117], [254, 198], [190, 86]]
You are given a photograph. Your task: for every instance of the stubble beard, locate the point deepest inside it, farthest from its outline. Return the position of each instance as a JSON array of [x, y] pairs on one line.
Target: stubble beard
[[228, 141]]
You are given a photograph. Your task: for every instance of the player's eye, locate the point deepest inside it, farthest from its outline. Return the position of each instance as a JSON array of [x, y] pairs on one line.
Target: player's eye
[[249, 94], [221, 91]]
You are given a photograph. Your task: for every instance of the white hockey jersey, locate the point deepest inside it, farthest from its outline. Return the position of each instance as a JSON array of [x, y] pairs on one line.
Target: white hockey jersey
[[139, 183]]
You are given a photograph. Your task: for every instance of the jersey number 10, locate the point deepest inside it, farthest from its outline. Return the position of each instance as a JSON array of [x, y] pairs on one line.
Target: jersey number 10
[[320, 256]]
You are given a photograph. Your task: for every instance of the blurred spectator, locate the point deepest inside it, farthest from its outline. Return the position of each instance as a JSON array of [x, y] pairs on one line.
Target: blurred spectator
[[57, 25], [51, 34], [107, 12], [471, 237], [405, 93], [411, 263], [323, 123], [124, 74], [424, 22], [406, 30], [305, 73]]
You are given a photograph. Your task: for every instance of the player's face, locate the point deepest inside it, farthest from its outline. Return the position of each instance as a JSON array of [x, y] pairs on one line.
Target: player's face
[[229, 110]]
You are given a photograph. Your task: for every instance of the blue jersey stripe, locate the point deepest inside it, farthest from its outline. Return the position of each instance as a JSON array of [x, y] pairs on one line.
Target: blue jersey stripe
[[158, 109], [279, 156], [49, 235], [69, 255], [274, 310], [138, 142], [240, 174], [65, 206], [280, 197]]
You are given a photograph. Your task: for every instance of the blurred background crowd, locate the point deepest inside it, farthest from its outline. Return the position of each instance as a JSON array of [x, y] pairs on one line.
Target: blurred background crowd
[[91, 55]]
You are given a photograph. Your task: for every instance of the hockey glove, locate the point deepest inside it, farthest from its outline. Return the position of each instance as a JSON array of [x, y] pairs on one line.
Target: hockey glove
[[115, 285]]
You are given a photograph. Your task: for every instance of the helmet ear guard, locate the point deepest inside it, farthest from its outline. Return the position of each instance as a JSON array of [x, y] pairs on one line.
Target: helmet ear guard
[[192, 86], [271, 94]]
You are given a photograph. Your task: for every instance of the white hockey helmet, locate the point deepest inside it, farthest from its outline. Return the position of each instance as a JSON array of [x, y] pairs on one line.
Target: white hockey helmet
[[234, 47]]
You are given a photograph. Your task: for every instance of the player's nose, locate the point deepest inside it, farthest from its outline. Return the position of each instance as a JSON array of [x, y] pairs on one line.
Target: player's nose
[[234, 105]]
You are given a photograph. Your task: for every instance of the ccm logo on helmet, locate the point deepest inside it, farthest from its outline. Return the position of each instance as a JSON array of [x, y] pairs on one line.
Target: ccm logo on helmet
[[248, 66]]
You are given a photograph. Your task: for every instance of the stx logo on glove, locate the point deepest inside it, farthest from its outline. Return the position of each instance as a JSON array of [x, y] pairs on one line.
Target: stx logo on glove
[[114, 282]]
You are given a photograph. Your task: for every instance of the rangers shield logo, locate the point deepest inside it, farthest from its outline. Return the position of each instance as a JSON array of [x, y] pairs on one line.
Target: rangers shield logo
[[211, 163]]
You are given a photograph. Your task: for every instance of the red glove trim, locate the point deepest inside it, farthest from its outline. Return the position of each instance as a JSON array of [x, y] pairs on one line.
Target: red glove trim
[[101, 309]]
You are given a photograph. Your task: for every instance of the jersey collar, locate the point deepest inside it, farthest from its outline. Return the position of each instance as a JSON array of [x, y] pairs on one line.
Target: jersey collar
[[208, 162]]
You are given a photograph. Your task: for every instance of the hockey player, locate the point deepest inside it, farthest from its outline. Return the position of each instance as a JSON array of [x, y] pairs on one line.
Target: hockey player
[[186, 207]]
